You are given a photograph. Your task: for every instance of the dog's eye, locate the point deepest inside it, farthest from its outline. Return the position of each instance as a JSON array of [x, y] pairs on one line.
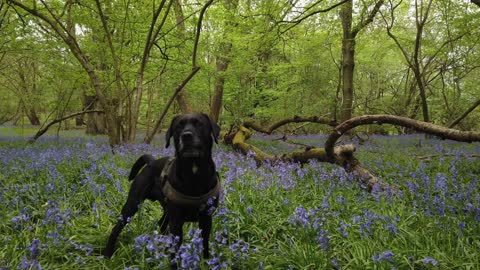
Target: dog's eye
[[196, 123], [180, 126]]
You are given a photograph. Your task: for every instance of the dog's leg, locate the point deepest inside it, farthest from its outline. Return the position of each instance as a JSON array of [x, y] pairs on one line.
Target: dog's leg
[[176, 228], [163, 223], [205, 224], [128, 210]]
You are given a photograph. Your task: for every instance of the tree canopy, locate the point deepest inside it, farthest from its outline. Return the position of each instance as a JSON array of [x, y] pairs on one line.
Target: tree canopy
[[122, 61]]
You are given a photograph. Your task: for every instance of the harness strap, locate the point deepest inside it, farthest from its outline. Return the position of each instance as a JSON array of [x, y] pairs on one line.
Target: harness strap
[[175, 196]]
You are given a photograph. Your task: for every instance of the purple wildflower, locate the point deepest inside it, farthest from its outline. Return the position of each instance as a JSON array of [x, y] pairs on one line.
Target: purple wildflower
[[307, 218], [26, 264], [385, 256], [34, 248], [20, 220], [323, 240], [325, 204], [428, 260], [221, 237], [216, 264], [341, 200], [392, 228], [31, 261], [343, 229], [335, 263]]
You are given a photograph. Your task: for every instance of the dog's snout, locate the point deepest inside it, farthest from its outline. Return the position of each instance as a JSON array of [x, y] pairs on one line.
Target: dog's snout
[[187, 136]]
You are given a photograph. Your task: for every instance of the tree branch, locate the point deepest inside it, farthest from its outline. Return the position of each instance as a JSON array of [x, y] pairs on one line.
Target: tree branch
[[295, 119], [362, 24], [58, 120], [442, 132], [298, 21], [461, 117], [197, 35], [149, 137]]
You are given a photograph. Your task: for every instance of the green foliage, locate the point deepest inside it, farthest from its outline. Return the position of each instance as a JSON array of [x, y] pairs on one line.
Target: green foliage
[[60, 198], [273, 72]]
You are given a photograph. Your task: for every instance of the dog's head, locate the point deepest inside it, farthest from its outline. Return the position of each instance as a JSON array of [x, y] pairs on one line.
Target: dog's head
[[193, 135]]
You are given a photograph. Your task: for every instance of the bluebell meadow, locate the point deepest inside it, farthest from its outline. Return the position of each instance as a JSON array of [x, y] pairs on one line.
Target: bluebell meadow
[[60, 197]]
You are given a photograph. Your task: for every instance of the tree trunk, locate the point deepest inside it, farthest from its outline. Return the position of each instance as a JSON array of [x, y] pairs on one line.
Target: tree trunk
[[32, 116], [348, 53], [419, 72], [95, 122], [348, 65], [222, 61], [222, 65], [182, 97]]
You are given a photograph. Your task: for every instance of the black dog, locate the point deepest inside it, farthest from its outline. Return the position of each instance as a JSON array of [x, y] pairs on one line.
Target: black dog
[[186, 185]]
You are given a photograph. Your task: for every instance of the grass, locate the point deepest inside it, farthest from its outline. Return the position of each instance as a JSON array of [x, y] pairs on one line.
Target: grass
[[61, 196]]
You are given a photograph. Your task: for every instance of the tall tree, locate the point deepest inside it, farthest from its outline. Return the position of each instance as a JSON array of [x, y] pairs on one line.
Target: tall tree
[[348, 51], [422, 61], [103, 62], [222, 59], [182, 97]]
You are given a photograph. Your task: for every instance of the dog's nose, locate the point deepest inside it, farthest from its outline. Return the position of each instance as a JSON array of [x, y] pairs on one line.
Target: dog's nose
[[187, 136]]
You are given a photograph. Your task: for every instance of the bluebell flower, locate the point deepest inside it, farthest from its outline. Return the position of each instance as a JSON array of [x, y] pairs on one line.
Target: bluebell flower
[[325, 204], [26, 264], [34, 248], [221, 237], [210, 207], [216, 263], [392, 228], [343, 229], [300, 217], [335, 263], [428, 260], [240, 249], [20, 220], [323, 240], [341, 200], [385, 256]]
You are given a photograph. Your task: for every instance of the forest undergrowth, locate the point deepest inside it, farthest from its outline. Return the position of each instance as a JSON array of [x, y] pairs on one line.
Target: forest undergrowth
[[60, 197]]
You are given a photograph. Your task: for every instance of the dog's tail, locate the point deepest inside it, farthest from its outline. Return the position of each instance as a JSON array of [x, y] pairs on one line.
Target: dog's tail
[[141, 161]]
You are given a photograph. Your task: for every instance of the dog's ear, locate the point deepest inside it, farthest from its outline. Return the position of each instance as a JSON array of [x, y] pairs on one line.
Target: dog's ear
[[214, 127], [169, 133]]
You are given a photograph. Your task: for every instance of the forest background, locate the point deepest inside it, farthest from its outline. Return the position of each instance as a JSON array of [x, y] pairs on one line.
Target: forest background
[[115, 67]]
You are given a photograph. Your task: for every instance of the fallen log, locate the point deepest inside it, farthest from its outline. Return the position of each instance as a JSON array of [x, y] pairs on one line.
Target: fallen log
[[343, 157]]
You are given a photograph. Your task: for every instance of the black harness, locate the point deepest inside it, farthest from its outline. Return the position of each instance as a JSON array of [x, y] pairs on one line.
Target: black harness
[[171, 195]]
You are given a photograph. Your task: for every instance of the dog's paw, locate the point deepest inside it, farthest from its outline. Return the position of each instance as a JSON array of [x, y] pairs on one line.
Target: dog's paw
[[107, 253]]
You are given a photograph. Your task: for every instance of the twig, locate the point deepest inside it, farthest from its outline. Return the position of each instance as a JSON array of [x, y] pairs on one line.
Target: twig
[[44, 129]]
